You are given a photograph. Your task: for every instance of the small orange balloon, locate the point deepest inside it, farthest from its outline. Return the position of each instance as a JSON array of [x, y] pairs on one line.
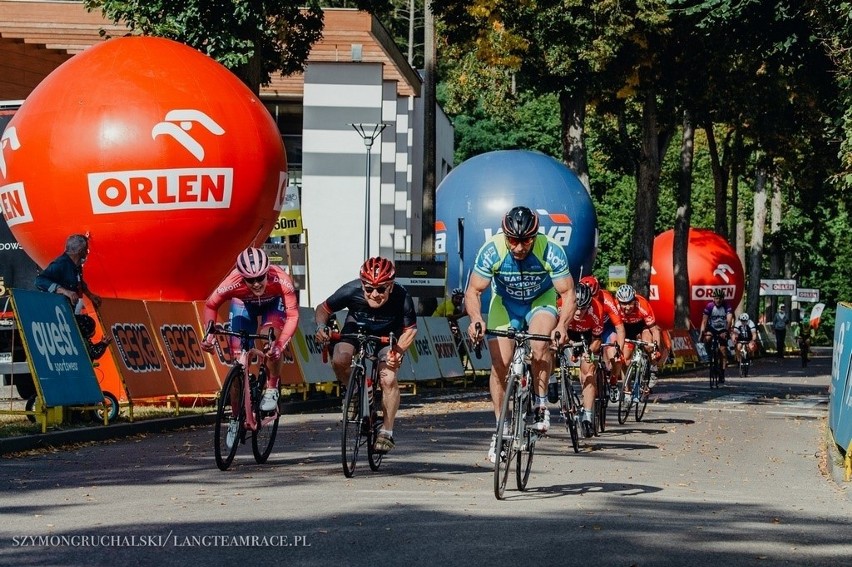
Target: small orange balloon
[[712, 264], [164, 157]]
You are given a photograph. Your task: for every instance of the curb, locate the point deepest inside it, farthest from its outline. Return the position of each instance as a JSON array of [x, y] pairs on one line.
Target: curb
[[119, 430]]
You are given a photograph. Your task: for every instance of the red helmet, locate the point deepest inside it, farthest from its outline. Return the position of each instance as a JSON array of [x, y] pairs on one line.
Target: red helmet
[[252, 263], [593, 284], [376, 271]]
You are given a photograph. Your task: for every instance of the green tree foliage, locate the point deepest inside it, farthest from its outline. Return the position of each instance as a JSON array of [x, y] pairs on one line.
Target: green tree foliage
[[253, 38]]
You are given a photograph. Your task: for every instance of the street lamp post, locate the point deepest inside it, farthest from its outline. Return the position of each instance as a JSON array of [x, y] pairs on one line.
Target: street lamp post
[[368, 132]]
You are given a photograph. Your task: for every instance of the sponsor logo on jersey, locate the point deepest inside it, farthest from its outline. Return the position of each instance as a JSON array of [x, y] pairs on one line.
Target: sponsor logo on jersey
[[136, 347]]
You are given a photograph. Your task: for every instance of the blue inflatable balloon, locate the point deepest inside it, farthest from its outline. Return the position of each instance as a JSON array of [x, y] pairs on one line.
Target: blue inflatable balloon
[[476, 195]]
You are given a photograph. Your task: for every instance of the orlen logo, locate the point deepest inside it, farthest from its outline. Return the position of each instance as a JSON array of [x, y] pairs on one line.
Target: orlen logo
[[13, 198], [654, 292], [183, 347], [53, 339], [705, 292], [555, 225], [440, 237], [136, 347], [166, 189]]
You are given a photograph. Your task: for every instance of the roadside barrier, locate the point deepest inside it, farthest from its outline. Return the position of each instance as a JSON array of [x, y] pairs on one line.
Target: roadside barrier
[[840, 391]]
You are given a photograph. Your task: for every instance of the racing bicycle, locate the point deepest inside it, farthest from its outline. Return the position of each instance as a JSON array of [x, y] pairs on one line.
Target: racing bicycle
[[362, 407], [516, 437], [715, 367], [636, 381], [569, 400], [238, 409], [745, 358]]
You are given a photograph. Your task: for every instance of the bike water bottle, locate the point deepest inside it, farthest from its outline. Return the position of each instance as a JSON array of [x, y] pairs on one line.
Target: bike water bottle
[[552, 390], [518, 363]]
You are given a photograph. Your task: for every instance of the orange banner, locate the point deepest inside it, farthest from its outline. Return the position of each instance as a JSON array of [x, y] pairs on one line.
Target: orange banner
[[682, 345], [135, 349], [175, 325]]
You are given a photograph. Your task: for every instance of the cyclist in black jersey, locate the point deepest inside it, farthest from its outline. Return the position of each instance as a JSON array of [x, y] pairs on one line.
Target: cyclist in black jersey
[[383, 307]]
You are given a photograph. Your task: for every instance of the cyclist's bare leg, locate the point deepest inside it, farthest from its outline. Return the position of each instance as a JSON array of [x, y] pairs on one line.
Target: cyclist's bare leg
[[587, 378], [501, 350], [341, 361], [542, 323], [390, 395]]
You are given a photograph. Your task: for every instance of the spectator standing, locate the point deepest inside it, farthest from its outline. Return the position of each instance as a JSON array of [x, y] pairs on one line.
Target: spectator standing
[[779, 325]]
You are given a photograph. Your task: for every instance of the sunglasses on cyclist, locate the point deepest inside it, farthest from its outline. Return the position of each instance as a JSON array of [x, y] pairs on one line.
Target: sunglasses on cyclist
[[625, 303], [370, 289], [252, 281], [515, 241]]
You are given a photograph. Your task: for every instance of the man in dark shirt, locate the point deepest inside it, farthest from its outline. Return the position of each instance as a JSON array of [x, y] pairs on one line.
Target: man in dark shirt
[[383, 308], [64, 275]]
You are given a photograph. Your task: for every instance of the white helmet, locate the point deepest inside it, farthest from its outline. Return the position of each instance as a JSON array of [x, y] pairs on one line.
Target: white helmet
[[744, 317]]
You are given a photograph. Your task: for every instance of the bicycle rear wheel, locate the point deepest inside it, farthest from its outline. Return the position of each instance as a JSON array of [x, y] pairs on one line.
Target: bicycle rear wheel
[[263, 438], [527, 437], [625, 400], [644, 394], [714, 370], [570, 408], [225, 413], [507, 445], [351, 431]]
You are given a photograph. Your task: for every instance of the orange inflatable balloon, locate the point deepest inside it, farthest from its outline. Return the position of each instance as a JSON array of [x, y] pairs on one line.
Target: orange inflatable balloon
[[712, 263], [168, 161]]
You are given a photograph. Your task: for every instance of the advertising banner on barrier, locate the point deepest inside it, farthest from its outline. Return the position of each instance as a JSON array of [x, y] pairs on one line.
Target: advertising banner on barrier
[[443, 345], [682, 345], [175, 326], [840, 402], [484, 361], [420, 362], [308, 353], [135, 350], [55, 349]]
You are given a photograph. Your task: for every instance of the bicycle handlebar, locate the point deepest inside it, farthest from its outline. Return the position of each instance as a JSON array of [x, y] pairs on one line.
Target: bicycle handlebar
[[517, 335], [214, 329]]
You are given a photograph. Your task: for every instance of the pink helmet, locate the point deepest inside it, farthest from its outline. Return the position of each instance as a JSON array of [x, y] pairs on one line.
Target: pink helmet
[[252, 263]]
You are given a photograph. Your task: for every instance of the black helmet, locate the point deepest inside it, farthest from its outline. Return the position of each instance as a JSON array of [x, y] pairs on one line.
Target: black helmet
[[584, 296], [520, 223]]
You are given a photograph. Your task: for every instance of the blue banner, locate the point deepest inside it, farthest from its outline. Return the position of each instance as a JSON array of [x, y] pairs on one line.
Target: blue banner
[[56, 349], [840, 401]]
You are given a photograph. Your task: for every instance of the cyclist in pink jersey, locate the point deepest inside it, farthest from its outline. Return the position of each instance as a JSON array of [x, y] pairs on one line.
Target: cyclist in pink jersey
[[257, 290], [613, 332]]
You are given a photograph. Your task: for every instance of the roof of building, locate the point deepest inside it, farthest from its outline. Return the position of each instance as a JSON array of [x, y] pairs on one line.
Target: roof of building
[[36, 36]]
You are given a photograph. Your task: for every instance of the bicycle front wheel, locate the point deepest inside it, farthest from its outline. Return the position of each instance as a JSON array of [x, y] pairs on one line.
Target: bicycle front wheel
[[625, 400], [506, 447], [570, 407], [225, 414], [263, 438], [601, 400], [351, 431], [644, 394], [527, 437]]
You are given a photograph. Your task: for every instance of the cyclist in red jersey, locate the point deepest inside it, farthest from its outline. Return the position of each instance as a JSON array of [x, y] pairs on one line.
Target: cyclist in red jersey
[[383, 307], [640, 323], [587, 325], [613, 332], [257, 290]]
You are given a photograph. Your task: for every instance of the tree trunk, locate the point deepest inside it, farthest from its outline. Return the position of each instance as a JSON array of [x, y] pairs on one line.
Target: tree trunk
[[719, 183], [683, 215], [572, 113], [654, 143], [427, 221], [776, 252], [756, 252]]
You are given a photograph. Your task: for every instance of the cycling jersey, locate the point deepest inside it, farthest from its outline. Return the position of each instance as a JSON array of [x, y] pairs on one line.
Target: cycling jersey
[[745, 332], [520, 282], [394, 316], [611, 312], [588, 325], [277, 305], [717, 316]]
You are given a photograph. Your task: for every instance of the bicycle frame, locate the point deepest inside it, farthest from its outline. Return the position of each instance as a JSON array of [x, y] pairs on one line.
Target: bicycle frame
[[637, 375], [248, 353], [366, 413]]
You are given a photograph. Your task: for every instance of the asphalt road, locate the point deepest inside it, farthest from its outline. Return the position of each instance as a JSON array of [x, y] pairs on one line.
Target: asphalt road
[[728, 477]]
